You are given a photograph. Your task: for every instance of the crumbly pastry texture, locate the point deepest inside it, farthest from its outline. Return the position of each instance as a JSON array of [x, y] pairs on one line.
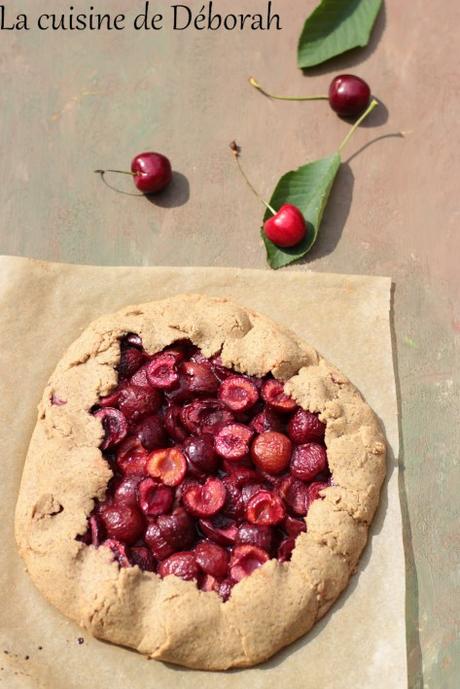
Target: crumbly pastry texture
[[170, 619]]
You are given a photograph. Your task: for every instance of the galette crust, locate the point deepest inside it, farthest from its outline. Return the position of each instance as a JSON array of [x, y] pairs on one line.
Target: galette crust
[[170, 619]]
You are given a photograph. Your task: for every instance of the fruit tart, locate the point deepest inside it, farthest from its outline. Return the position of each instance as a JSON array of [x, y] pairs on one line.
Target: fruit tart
[[199, 484]]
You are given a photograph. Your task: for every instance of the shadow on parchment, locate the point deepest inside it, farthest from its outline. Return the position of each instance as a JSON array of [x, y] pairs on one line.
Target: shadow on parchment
[[414, 649]]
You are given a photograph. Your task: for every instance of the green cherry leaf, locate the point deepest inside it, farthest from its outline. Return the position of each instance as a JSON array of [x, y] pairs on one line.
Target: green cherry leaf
[[334, 27], [308, 188]]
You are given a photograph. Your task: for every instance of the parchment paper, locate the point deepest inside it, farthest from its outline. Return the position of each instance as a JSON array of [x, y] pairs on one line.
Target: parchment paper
[[361, 643]]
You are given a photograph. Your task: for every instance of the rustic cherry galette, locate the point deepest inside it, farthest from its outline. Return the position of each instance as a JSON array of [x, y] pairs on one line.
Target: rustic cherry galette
[[199, 484]]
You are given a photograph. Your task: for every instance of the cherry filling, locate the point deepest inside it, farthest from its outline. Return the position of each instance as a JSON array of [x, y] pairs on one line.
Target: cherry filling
[[213, 471]]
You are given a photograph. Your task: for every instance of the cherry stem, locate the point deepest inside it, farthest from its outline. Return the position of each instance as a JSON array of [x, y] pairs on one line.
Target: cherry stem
[[120, 172], [367, 112], [236, 154], [257, 86]]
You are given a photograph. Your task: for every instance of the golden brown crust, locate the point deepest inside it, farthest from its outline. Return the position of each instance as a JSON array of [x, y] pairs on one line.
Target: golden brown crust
[[171, 619]]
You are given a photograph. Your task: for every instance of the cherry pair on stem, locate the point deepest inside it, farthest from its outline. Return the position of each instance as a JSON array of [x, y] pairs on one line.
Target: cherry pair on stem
[[288, 227]]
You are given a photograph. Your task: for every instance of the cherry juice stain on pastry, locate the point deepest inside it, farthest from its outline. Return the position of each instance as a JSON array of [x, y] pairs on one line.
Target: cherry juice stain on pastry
[[213, 471]]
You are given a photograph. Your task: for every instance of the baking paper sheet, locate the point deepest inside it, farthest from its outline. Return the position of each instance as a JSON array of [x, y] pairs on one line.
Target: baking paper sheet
[[361, 643]]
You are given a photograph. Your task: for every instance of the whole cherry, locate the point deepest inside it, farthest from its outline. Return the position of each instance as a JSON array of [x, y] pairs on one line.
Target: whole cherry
[[287, 227], [151, 172], [348, 95], [271, 452]]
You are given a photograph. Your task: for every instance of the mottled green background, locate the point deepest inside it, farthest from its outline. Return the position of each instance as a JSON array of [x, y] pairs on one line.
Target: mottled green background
[[73, 102]]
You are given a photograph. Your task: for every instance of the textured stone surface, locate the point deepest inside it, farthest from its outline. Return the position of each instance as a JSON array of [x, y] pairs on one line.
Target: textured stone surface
[[75, 102]]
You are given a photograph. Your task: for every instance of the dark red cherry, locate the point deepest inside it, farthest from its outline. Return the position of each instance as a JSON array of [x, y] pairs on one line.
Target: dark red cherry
[[151, 433], [212, 558], [295, 494], [126, 490], [154, 498], [157, 542], [142, 557], [182, 565], [162, 372], [274, 395], [206, 500], [114, 425], [245, 560], [177, 528], [266, 420], [305, 427], [232, 441], [136, 402], [265, 509], [200, 455], [293, 527], [349, 95], [238, 393], [200, 378], [285, 549], [205, 416], [219, 529], [152, 172], [123, 522], [131, 359], [132, 457], [251, 534], [307, 461]]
